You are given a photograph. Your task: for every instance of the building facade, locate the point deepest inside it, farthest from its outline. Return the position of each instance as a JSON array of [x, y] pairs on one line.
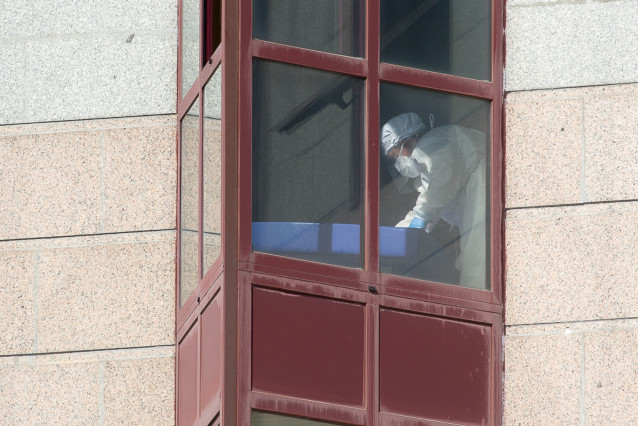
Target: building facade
[[121, 176]]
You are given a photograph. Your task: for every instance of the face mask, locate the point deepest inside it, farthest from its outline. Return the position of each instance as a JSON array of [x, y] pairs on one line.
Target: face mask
[[407, 166]]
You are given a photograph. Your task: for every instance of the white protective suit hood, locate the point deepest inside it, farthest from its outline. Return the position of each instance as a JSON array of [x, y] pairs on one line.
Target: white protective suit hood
[[399, 128]]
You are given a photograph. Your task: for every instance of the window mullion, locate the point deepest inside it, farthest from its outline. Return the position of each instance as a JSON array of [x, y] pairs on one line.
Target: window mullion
[[200, 193], [372, 141]]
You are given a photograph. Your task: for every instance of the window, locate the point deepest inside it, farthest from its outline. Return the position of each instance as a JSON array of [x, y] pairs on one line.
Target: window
[[323, 185], [200, 143], [339, 92], [340, 217], [199, 293]]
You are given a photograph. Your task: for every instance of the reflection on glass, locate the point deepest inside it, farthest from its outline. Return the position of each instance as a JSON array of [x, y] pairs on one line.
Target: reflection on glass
[[307, 163], [190, 43], [189, 276], [213, 26], [326, 25], [259, 418], [434, 186], [446, 36], [212, 171]]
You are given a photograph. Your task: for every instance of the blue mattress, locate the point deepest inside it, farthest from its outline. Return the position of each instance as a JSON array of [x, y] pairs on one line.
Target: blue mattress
[[330, 238]]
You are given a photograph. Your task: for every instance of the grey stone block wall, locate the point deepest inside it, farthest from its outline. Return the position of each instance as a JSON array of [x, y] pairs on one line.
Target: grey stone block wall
[[570, 43], [87, 59], [571, 201], [88, 171]]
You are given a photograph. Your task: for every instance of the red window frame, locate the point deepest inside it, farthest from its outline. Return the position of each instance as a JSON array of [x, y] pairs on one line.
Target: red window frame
[[374, 72], [208, 66], [213, 286], [257, 269], [219, 283], [239, 269]]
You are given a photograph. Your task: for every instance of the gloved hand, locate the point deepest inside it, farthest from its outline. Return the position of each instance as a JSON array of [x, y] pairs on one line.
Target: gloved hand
[[417, 222]]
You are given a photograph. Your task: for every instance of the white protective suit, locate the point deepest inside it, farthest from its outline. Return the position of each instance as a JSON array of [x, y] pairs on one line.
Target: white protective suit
[[452, 187]]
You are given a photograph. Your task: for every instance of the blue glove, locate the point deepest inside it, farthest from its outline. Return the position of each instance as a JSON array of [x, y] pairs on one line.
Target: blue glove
[[417, 222]]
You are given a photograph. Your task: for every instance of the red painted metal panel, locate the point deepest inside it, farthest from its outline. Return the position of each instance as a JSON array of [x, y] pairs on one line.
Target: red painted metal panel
[[211, 356], [308, 347], [357, 279], [434, 368], [187, 374]]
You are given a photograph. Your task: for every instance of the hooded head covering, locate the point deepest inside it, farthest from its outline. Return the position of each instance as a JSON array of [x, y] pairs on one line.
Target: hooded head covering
[[399, 128]]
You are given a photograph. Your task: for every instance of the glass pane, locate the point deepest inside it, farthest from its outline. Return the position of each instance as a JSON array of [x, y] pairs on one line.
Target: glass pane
[[326, 25], [190, 43], [189, 276], [307, 163], [434, 205], [212, 170], [213, 26], [259, 418], [446, 36]]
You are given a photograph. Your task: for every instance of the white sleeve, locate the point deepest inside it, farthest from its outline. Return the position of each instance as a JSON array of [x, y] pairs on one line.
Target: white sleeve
[[444, 178]]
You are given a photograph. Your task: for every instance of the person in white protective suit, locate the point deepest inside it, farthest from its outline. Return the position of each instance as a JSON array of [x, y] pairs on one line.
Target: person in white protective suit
[[446, 165]]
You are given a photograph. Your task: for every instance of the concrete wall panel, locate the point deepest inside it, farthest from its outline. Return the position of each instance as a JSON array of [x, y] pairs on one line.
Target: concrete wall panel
[[106, 296], [87, 177], [543, 158], [130, 386], [50, 184], [12, 81], [88, 59], [611, 143], [567, 43], [542, 380], [81, 17], [139, 391], [572, 146], [572, 263], [43, 393], [84, 293], [572, 373], [101, 76], [17, 280], [612, 378], [140, 177]]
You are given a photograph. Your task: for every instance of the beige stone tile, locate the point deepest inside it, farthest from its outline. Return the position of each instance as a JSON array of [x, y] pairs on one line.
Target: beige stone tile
[[111, 296], [543, 160], [542, 380], [140, 175], [572, 264], [139, 392], [51, 185], [611, 377], [124, 386], [17, 280], [611, 146], [52, 394]]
